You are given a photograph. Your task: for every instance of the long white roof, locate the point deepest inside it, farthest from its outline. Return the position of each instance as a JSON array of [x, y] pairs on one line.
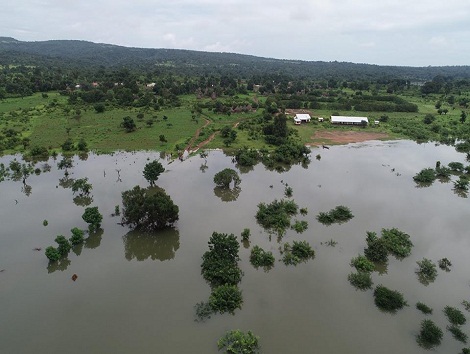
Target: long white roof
[[340, 119], [302, 116]]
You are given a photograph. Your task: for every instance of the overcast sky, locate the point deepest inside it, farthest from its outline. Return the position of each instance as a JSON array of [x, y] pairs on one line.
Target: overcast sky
[[384, 32]]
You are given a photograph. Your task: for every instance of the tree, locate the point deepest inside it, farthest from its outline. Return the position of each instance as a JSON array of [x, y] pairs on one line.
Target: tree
[[93, 217], [81, 185], [463, 117], [388, 300], [376, 250], [52, 254], [428, 118], [148, 208], [152, 171], [430, 335], [225, 177], [128, 124], [162, 138], [64, 245], [77, 236], [99, 108], [238, 342]]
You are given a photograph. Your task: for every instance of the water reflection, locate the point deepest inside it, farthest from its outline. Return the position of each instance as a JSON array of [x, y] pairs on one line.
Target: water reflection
[[66, 182], [27, 189], [62, 264], [77, 249], [94, 239], [83, 200], [161, 245], [227, 194]]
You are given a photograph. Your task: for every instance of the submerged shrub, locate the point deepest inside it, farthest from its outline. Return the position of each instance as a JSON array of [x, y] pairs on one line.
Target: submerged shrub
[[301, 251], [360, 280], [52, 254], [300, 226], [362, 264], [388, 300], [455, 316], [424, 308], [426, 176], [226, 298], [276, 215], [376, 250], [444, 264], [457, 333], [398, 243], [261, 258], [427, 271], [238, 342], [430, 335], [339, 214]]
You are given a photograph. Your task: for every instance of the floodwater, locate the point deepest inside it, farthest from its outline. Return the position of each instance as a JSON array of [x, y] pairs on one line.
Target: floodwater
[[135, 293]]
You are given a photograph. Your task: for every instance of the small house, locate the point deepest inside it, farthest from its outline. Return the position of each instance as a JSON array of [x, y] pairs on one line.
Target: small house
[[320, 119], [301, 118]]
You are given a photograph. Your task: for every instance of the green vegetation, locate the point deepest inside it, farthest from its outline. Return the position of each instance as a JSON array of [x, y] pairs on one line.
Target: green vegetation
[[466, 304], [339, 215], [299, 252], [424, 308], [398, 243], [152, 171], [52, 254], [261, 258], [388, 300], [457, 333], [444, 264], [219, 264], [377, 250], [455, 316], [226, 177], [429, 335], [288, 191], [45, 222], [361, 280], [245, 234], [427, 271], [225, 298], [149, 208], [425, 176], [362, 264], [238, 342], [77, 236], [93, 217], [276, 215], [300, 226]]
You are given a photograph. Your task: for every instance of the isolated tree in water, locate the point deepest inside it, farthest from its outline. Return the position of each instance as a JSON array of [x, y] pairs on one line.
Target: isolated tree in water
[[149, 209], [152, 171], [225, 177]]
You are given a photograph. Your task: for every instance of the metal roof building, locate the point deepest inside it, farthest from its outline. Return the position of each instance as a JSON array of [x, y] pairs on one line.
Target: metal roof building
[[349, 120]]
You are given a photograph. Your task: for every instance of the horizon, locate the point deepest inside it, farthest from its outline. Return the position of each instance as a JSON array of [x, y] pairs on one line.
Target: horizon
[[398, 33]]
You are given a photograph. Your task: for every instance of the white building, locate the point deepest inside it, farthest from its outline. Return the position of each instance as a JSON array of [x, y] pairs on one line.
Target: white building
[[349, 120], [301, 118]]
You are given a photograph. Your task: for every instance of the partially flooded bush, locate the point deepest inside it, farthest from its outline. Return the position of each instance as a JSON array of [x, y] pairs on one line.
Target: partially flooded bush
[[388, 300], [398, 243], [376, 250], [430, 335], [362, 264], [339, 214], [226, 298], [238, 342], [276, 215], [425, 176], [261, 258], [455, 316], [424, 308], [361, 280], [457, 333], [300, 251], [427, 271]]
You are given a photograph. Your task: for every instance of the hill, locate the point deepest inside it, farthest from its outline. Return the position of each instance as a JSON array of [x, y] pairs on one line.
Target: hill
[[70, 53]]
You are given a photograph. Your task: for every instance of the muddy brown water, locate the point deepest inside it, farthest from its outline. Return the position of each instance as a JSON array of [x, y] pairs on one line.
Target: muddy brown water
[[135, 293]]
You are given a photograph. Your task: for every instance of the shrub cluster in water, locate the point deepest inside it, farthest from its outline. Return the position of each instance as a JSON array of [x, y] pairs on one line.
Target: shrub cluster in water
[[261, 258], [220, 269], [276, 215], [300, 251], [393, 241], [64, 245], [429, 335], [388, 300], [238, 342], [339, 214]]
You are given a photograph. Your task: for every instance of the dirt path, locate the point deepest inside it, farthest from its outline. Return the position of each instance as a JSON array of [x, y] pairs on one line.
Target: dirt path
[[196, 135], [205, 142], [344, 137]]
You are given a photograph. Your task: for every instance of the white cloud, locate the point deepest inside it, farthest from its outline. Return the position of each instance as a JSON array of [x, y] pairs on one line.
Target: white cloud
[[302, 29]]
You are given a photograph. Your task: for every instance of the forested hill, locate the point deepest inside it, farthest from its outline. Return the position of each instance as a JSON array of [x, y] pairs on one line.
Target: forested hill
[[74, 53]]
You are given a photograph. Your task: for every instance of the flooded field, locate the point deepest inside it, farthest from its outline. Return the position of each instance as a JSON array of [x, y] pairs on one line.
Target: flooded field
[[135, 293]]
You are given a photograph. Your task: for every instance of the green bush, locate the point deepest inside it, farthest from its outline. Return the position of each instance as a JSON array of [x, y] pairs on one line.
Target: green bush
[[376, 250], [226, 298], [300, 226], [388, 300], [424, 308], [339, 215], [238, 342], [455, 316], [276, 215], [361, 280], [300, 251], [261, 258], [52, 254], [77, 236], [398, 243], [245, 234], [444, 264], [362, 264], [425, 176], [430, 335], [64, 245], [457, 333], [427, 271]]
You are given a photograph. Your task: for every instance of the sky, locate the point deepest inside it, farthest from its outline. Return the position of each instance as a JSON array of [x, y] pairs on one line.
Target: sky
[[383, 32]]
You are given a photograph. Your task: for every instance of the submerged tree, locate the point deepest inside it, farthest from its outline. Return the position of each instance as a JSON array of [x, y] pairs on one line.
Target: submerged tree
[[148, 208], [225, 177], [93, 217], [152, 171], [238, 342]]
